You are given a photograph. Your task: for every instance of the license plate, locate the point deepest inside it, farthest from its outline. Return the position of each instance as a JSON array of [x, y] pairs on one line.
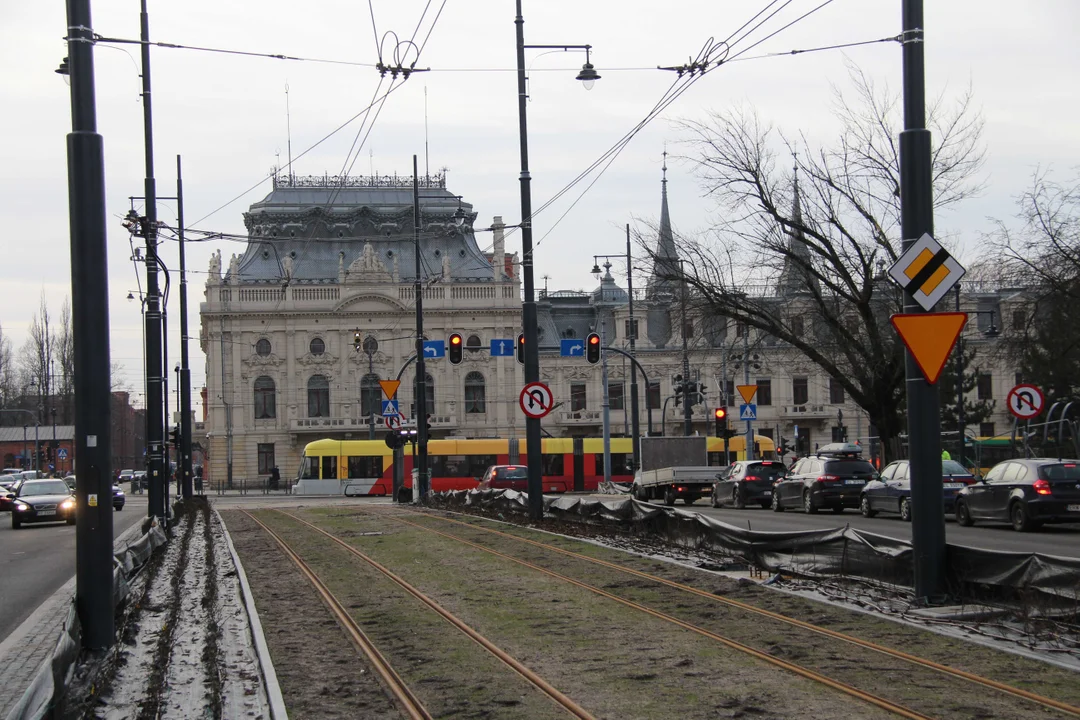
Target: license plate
[[952, 486], [53, 512], [854, 482], [1073, 508], [767, 493]]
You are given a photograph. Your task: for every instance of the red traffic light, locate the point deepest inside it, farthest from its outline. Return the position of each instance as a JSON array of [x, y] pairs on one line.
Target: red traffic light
[[592, 348], [454, 351], [455, 339], [720, 413], [594, 339]]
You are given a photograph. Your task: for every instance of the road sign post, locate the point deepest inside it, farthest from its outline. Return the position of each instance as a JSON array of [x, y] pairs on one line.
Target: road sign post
[[536, 400]]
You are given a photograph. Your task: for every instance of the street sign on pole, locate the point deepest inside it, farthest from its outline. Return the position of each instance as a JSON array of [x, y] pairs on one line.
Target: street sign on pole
[[62, 453], [1025, 401], [390, 388], [747, 392], [502, 348], [927, 271], [390, 407], [748, 411], [434, 349], [572, 348], [930, 338], [536, 400], [392, 421]]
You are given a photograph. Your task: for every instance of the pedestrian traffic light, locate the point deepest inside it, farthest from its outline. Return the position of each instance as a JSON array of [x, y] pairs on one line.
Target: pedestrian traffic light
[[521, 348], [356, 342], [454, 349], [679, 387], [592, 348], [174, 435], [720, 414]]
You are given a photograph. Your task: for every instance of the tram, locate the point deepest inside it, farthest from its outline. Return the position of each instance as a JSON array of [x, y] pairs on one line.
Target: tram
[[365, 467]]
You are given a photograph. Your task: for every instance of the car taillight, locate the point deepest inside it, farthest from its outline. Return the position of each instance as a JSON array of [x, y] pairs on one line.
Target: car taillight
[[1041, 487], [752, 477], [828, 478]]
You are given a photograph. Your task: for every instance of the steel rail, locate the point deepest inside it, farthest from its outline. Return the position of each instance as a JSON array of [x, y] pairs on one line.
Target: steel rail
[[548, 689], [898, 654], [838, 685], [397, 687]]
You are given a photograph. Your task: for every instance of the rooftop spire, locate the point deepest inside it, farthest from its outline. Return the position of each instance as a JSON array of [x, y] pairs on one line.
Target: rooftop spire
[[796, 277], [666, 264]]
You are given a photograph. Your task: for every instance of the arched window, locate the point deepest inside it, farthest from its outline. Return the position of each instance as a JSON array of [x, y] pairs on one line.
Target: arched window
[[265, 398], [318, 396], [474, 393], [473, 344], [370, 396], [262, 348], [317, 346]]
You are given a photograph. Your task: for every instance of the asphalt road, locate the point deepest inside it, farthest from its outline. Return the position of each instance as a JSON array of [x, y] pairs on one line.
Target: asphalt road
[[1050, 539], [37, 559]]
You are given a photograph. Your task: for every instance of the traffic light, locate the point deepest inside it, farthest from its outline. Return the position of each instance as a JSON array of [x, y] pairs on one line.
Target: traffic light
[[174, 435], [720, 414], [356, 342], [521, 348], [783, 447], [695, 393], [454, 348], [592, 348], [679, 387]]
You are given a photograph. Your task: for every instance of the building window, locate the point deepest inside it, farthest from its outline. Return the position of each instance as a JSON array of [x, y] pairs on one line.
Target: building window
[[688, 329], [985, 386], [317, 346], [473, 344], [615, 396], [474, 393], [836, 392], [577, 397], [740, 329], [764, 391], [630, 329], [266, 458], [318, 396], [986, 429], [569, 333], [262, 348], [265, 398], [1018, 378], [652, 395], [797, 326], [370, 396], [800, 391], [1018, 319]]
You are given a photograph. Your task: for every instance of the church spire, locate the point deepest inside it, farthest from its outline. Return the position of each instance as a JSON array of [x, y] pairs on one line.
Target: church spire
[[666, 263], [796, 277]]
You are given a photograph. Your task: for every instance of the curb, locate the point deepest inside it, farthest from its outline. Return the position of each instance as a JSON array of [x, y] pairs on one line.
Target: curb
[[273, 689]]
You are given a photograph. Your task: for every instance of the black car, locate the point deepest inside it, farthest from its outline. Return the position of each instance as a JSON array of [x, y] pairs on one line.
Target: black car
[[42, 501], [1026, 493], [891, 492], [118, 498], [747, 482], [832, 478]]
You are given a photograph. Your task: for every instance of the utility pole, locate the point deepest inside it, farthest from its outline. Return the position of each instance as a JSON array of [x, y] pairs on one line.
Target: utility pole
[[421, 379], [606, 404], [184, 461], [688, 410], [924, 412], [635, 423], [90, 323], [746, 381]]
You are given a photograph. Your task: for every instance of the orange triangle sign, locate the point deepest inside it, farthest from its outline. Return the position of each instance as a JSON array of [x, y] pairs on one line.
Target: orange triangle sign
[[389, 387], [747, 392], [930, 338]]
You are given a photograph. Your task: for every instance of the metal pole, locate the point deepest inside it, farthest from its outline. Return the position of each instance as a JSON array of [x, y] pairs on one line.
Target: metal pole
[[606, 405], [746, 381], [663, 418], [924, 414], [24, 428], [688, 422], [228, 410], [528, 307], [185, 367], [166, 424], [155, 417], [635, 422], [371, 410], [421, 380], [90, 323], [37, 448], [961, 418]]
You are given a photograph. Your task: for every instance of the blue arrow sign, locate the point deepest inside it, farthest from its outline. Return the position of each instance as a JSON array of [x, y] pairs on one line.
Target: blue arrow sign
[[434, 349], [748, 411], [502, 348], [390, 407], [572, 348]]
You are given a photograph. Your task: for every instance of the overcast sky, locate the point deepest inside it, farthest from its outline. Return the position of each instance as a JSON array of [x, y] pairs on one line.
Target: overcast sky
[[225, 114]]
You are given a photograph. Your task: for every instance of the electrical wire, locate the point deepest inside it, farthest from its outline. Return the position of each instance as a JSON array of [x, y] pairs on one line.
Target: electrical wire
[[101, 39]]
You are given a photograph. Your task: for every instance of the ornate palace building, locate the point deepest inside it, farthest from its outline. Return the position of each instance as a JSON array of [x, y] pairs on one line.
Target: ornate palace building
[[330, 260]]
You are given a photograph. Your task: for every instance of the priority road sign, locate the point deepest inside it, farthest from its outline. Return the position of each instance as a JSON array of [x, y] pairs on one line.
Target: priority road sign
[[929, 338], [1025, 401], [747, 392], [502, 348], [572, 348], [536, 400], [434, 349], [390, 407], [927, 271], [389, 387], [62, 453], [748, 411]]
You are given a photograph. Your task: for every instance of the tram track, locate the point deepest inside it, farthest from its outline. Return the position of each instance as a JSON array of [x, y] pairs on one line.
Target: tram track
[[917, 661], [395, 685]]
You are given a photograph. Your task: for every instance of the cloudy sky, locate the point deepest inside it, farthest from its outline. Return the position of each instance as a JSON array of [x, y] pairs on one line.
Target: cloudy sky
[[225, 114]]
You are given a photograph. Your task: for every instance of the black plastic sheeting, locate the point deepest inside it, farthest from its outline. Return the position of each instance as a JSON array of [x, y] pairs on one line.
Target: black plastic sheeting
[[815, 553]]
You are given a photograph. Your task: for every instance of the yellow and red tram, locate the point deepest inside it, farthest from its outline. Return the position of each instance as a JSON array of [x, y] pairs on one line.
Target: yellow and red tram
[[569, 464]]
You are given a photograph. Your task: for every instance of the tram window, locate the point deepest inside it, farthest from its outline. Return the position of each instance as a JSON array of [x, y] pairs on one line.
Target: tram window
[[365, 467], [461, 465], [329, 467], [309, 468], [553, 465], [620, 463]]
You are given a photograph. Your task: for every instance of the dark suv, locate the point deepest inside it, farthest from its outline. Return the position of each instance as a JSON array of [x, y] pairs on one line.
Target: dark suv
[[832, 478], [747, 482]]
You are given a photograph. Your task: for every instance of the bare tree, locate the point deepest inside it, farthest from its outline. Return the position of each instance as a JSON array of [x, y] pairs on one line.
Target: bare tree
[[36, 357], [64, 345], [8, 383], [801, 258]]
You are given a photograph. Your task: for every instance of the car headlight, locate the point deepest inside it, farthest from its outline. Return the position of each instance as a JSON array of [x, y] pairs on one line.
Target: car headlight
[[67, 504], [119, 493], [21, 506]]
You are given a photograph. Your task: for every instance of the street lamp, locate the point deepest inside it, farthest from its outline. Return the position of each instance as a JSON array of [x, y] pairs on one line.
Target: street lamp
[[587, 76]]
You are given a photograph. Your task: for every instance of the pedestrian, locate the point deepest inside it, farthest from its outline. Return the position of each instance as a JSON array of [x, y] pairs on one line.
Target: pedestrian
[[945, 455], [275, 478]]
